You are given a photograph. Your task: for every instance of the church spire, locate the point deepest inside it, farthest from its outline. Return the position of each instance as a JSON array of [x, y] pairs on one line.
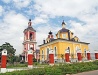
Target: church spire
[[63, 24], [29, 23]]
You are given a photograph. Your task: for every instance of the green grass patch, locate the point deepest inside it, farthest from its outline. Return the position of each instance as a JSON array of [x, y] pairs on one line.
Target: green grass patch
[[61, 69]]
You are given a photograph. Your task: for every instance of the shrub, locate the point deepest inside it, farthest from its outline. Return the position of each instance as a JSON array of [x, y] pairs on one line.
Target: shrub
[[62, 69]]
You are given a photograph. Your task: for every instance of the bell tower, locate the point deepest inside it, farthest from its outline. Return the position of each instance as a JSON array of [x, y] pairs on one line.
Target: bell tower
[[29, 40]]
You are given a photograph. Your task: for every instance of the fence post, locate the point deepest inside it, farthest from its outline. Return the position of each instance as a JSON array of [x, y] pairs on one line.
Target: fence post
[[96, 55], [51, 57], [30, 58], [88, 55], [79, 55], [3, 61], [67, 56]]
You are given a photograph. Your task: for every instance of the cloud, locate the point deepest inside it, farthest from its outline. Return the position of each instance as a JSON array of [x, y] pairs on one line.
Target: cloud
[[40, 19], [84, 11], [14, 21], [1, 10], [12, 28], [21, 3], [42, 32], [64, 8], [6, 1]]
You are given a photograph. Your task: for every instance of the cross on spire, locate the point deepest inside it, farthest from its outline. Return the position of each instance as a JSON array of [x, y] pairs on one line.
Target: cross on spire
[[29, 23]]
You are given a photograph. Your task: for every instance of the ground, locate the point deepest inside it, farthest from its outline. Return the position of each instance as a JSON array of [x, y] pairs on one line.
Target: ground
[[88, 73]]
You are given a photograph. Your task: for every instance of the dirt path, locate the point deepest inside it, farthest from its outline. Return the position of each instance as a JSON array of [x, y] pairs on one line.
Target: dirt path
[[88, 73]]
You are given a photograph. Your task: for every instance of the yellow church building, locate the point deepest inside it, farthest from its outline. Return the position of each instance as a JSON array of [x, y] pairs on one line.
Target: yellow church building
[[65, 40]]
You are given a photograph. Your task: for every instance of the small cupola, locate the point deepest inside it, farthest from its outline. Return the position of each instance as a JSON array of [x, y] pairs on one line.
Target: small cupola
[[50, 35]]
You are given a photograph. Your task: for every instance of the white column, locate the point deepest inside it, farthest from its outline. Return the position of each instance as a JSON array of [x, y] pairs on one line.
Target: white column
[[25, 58], [28, 46]]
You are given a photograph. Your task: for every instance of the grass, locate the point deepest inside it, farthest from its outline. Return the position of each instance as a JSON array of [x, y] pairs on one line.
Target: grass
[[61, 69]]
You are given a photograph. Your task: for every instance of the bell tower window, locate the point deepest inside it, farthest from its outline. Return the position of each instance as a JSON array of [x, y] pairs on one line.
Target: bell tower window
[[64, 35], [31, 36]]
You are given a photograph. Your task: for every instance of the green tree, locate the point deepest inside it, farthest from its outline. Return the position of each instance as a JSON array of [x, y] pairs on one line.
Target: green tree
[[10, 51]]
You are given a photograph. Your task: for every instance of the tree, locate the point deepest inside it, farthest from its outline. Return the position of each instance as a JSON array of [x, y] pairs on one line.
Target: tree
[[10, 51]]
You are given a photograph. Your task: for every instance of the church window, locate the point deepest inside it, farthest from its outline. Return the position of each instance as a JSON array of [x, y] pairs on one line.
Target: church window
[[42, 54], [42, 51], [47, 53], [85, 52], [64, 35], [31, 36], [55, 51], [69, 49]]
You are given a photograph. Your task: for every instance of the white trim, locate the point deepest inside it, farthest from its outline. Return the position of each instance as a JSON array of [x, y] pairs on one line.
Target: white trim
[[61, 41], [3, 70], [69, 50], [4, 52], [30, 52], [96, 51], [51, 51], [66, 51], [51, 64], [30, 66], [28, 46], [87, 51]]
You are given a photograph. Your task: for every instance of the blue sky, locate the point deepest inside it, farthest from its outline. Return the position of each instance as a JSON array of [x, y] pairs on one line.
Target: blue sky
[[80, 16]]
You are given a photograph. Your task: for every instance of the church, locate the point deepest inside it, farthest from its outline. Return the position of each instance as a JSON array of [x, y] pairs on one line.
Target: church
[[65, 40]]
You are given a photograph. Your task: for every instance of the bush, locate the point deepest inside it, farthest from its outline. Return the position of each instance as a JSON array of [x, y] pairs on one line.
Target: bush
[[17, 65], [62, 69]]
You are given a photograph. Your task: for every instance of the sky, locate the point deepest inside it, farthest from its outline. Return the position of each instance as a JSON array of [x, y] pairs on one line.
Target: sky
[[80, 16]]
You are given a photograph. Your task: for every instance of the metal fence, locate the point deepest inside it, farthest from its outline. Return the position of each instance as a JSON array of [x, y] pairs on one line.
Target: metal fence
[[60, 58]]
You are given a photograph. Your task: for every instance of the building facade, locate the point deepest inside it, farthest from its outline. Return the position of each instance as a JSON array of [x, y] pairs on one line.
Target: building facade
[[65, 40], [29, 40]]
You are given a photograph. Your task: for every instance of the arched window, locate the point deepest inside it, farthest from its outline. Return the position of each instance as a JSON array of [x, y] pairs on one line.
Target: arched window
[[76, 50], [42, 54], [31, 36], [85, 52], [47, 53], [64, 36], [55, 51], [69, 49]]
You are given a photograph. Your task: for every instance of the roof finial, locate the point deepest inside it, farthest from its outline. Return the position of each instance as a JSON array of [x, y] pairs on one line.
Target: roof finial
[[63, 24], [29, 23], [29, 19], [50, 32]]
